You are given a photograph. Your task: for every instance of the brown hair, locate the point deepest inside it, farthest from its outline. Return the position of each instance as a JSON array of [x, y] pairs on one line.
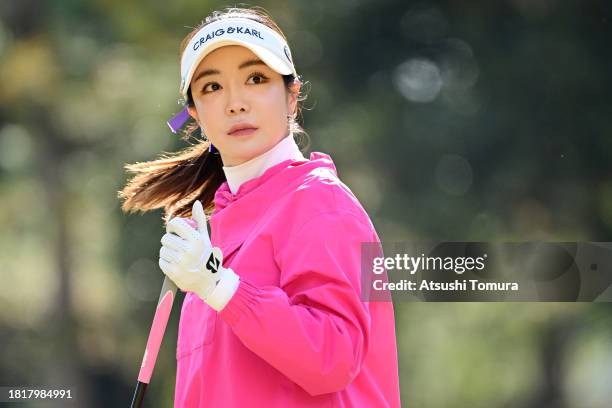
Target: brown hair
[[174, 181]]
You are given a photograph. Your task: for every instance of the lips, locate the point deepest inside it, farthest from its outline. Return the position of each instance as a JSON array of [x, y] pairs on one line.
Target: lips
[[241, 129]]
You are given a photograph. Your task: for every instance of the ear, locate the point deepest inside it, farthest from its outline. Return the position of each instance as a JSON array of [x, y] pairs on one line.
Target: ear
[[294, 91], [193, 112]]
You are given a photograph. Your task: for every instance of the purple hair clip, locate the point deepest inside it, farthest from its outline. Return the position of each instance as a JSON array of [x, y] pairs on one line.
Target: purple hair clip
[[178, 120]]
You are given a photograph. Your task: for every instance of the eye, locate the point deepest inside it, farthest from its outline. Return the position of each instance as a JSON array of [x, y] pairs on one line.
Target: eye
[[214, 86], [258, 77]]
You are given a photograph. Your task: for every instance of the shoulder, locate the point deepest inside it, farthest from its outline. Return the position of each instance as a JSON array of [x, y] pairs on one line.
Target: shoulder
[[318, 193]]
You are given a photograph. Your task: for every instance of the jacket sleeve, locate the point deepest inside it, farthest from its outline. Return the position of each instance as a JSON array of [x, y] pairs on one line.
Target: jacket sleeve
[[314, 328]]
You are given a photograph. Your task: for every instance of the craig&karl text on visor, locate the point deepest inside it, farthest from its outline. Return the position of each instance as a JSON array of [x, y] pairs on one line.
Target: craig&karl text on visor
[[230, 30]]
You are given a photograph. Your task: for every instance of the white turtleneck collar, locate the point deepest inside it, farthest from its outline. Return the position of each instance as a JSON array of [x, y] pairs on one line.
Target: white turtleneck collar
[[284, 150]]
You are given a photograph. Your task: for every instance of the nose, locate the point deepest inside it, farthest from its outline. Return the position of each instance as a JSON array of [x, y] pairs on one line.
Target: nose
[[236, 103]]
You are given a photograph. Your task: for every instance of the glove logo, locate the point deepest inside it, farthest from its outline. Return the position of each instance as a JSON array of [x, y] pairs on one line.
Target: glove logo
[[212, 264], [214, 261]]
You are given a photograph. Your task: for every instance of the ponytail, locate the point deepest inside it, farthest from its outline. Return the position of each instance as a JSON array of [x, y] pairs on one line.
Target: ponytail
[[174, 182]]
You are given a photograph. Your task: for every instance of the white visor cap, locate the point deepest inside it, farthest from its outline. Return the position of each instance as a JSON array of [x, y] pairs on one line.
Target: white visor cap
[[266, 43]]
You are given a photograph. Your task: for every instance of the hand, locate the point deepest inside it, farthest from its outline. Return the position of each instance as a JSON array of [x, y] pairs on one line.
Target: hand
[[188, 258]]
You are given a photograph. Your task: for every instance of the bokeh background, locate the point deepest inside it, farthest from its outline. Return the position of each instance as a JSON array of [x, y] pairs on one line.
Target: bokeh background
[[450, 120]]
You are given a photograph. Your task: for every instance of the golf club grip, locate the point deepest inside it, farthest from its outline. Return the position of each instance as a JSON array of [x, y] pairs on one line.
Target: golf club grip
[[156, 335]]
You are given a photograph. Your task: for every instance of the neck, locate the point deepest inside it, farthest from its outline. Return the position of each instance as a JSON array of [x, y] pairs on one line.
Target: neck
[[284, 150]]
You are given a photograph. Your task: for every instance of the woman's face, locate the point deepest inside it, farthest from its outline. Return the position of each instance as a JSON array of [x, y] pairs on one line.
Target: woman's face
[[233, 86]]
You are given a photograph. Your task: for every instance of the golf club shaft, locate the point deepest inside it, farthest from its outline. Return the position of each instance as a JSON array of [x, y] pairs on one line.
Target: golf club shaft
[[156, 335]]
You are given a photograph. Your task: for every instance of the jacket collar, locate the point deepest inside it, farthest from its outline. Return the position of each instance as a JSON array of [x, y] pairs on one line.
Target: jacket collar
[[224, 197]]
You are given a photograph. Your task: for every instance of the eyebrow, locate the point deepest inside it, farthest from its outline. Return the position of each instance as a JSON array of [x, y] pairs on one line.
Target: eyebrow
[[245, 64]]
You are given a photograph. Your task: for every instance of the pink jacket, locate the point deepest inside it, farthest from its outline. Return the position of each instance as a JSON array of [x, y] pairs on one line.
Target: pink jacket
[[296, 333]]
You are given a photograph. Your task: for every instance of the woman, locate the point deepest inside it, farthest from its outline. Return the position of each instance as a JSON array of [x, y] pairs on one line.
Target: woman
[[272, 314]]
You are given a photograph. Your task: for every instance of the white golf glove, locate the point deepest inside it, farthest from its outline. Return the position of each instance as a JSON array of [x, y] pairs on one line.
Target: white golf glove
[[188, 258]]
